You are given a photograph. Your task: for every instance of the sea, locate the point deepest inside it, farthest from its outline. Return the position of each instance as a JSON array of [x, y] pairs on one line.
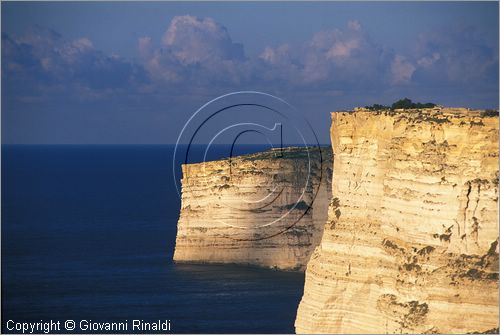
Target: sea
[[88, 233]]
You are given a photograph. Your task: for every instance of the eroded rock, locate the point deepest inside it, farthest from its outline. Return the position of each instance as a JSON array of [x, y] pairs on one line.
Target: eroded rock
[[265, 209], [411, 241]]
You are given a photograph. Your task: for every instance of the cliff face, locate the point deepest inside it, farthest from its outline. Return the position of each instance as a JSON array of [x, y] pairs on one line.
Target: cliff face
[[266, 209], [411, 241]]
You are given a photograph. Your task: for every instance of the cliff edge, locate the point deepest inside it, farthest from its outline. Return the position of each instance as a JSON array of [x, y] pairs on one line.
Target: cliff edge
[[411, 240], [265, 209]]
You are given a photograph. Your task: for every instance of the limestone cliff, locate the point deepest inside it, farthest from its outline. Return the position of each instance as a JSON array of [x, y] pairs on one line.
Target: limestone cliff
[[411, 242], [266, 209]]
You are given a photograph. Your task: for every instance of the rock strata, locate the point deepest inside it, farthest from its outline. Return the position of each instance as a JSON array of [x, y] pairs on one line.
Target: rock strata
[[411, 240], [266, 209]]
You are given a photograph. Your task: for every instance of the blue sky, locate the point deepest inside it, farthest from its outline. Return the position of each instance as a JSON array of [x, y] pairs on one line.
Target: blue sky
[[135, 72]]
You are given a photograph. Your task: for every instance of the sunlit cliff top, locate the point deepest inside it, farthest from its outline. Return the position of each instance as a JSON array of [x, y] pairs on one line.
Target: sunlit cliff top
[[434, 110]]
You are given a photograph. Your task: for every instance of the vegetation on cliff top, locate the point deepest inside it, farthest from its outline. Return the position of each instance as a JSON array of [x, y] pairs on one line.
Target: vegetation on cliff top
[[408, 104], [401, 104], [287, 153]]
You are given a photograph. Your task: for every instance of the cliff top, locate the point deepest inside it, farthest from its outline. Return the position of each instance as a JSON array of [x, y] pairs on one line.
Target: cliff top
[[278, 153], [437, 114], [285, 153], [462, 111]]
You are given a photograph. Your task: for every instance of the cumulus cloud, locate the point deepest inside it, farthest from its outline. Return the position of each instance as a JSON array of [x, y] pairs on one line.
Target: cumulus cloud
[[44, 73], [193, 48], [42, 60], [200, 51], [428, 61], [354, 25], [193, 40], [199, 54], [401, 70], [281, 65], [277, 55], [340, 56], [457, 56], [348, 58]]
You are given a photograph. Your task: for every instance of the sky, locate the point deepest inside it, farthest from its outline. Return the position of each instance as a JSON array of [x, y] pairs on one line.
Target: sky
[[134, 73]]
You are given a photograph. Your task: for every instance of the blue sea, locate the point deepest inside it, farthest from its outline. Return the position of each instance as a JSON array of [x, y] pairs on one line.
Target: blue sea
[[88, 233]]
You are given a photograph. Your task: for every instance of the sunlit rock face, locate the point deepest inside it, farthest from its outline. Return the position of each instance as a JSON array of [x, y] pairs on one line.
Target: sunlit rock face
[[266, 209], [411, 241]]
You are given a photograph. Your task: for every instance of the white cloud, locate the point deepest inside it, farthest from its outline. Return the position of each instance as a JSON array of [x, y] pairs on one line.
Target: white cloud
[[401, 70], [457, 56], [83, 44], [194, 40], [41, 60], [277, 55], [342, 49], [145, 46], [199, 54], [428, 61], [194, 49], [340, 56], [354, 25]]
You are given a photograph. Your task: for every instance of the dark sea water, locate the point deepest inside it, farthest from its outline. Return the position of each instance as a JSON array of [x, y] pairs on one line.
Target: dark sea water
[[88, 232]]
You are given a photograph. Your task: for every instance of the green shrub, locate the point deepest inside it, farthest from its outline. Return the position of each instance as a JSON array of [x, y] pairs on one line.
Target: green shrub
[[407, 104], [401, 104]]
